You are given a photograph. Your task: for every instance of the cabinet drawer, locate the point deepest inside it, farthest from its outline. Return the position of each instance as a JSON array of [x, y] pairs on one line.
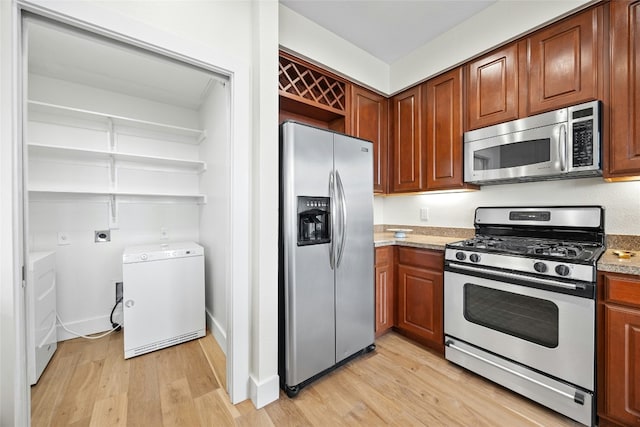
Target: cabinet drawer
[[384, 255], [622, 290], [425, 258]]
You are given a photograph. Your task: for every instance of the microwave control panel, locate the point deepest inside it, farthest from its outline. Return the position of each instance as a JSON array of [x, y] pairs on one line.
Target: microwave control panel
[[583, 143]]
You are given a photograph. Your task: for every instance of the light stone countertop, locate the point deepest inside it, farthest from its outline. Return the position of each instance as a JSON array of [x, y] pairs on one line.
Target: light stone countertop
[[423, 241], [610, 262]]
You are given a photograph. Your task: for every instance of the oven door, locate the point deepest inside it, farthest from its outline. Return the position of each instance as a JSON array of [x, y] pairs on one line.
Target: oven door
[[519, 155], [551, 332]]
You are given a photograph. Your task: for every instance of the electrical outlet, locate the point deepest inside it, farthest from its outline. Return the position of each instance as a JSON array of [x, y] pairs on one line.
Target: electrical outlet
[[164, 233], [119, 292], [63, 238], [424, 214]]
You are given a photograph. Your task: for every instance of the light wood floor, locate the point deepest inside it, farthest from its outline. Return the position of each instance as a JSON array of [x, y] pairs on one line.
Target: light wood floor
[[400, 384]]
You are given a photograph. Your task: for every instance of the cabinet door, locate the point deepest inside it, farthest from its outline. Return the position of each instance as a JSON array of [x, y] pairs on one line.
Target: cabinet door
[[385, 298], [622, 375], [420, 305], [624, 141], [492, 88], [443, 105], [369, 120], [408, 147], [565, 61]]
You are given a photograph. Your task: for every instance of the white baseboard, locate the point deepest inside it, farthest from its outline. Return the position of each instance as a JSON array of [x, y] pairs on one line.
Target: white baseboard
[[218, 333], [90, 326], [264, 393]]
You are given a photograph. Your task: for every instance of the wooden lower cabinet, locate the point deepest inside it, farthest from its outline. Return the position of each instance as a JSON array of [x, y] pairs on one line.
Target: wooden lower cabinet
[[619, 350], [419, 307], [385, 290]]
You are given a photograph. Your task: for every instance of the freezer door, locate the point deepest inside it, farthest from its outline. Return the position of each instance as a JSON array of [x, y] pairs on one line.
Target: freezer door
[[353, 208], [309, 283]]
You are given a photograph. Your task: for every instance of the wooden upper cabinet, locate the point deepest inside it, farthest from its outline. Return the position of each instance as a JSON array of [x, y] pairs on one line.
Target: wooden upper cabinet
[[312, 95], [370, 121], [565, 61], [624, 136], [442, 100], [407, 173], [492, 88]]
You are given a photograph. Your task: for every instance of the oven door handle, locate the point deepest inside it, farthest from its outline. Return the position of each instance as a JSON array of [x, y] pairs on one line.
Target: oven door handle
[[507, 275], [577, 397]]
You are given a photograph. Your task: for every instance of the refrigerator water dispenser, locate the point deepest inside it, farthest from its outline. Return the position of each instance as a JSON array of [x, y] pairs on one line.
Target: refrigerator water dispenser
[[314, 220]]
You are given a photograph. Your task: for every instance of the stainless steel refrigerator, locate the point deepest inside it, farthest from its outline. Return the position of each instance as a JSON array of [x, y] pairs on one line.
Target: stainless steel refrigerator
[[327, 313]]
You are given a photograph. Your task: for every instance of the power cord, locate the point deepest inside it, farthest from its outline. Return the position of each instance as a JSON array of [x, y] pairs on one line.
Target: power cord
[[77, 334], [116, 326]]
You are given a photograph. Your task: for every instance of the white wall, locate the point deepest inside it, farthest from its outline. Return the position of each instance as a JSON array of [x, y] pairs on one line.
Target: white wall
[[264, 386], [307, 39], [223, 24], [215, 233], [621, 201]]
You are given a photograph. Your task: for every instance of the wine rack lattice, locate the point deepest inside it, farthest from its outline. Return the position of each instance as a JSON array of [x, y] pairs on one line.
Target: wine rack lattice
[[301, 81]]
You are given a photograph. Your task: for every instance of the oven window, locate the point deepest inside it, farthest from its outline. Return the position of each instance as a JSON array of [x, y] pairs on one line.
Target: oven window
[[522, 316], [511, 155]]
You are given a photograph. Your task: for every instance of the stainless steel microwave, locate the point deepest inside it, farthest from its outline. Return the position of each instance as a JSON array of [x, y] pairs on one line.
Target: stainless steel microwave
[[564, 143]]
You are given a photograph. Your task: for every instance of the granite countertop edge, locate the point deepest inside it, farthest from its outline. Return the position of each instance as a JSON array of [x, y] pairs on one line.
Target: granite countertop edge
[[610, 262]]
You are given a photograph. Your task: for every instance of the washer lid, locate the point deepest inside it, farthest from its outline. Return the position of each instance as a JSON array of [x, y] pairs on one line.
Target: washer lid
[[159, 251]]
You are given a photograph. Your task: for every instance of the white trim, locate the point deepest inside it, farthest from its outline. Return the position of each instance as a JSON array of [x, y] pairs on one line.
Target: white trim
[[14, 385], [265, 392], [92, 17], [217, 331]]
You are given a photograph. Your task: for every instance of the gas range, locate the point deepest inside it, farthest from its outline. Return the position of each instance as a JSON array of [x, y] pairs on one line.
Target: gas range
[[558, 242], [579, 252], [520, 301]]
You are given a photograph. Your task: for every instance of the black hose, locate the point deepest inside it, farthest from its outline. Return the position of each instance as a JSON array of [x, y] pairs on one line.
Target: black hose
[[115, 325]]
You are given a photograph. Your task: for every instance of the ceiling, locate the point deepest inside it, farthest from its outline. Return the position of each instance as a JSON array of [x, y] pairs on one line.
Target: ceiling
[[387, 29], [60, 52]]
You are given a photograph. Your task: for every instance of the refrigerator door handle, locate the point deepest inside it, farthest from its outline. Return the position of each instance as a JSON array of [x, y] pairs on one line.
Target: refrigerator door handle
[[343, 218], [332, 199]]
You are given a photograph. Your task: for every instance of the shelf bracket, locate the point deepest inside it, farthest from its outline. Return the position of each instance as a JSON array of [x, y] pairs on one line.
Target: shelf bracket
[[113, 212], [112, 136], [113, 174]]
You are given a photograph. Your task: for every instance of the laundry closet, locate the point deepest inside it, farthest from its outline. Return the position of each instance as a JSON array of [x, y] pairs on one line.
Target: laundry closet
[[122, 147]]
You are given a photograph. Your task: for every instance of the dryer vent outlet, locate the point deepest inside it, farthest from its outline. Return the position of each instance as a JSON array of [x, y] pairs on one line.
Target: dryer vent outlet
[[102, 236]]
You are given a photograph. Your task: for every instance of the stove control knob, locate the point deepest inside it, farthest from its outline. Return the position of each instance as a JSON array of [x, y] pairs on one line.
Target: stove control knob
[[474, 258], [540, 267], [460, 256], [562, 270]]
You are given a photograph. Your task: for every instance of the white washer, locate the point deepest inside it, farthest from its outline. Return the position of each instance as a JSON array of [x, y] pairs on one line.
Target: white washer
[[163, 296]]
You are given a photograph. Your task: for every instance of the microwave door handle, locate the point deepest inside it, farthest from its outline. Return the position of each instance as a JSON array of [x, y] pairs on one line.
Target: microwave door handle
[[562, 147]]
